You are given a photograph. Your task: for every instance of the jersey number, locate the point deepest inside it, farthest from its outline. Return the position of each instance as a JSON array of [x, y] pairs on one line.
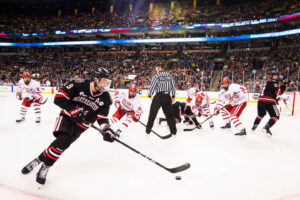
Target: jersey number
[[69, 86]]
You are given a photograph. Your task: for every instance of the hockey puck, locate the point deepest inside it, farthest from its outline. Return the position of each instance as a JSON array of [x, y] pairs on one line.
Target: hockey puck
[[178, 177]]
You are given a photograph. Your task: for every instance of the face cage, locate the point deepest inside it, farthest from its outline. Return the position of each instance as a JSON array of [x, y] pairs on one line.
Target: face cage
[[104, 84]]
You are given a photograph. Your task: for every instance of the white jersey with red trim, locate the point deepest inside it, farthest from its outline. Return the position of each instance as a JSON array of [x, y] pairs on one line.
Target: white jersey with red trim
[[236, 94], [128, 104], [284, 98], [33, 89], [203, 107], [191, 92]]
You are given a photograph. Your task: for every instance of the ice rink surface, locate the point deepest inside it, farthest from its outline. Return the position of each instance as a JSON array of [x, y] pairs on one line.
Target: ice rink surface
[[223, 166]]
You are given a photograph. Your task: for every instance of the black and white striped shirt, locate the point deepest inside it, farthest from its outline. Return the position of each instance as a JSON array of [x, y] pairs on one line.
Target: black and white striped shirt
[[162, 82]]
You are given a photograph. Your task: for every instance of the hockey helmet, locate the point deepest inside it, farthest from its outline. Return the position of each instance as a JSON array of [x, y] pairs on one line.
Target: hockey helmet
[[199, 99], [25, 74], [226, 80]]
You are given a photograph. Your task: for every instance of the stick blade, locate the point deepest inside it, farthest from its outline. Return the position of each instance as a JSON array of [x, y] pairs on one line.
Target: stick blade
[[42, 103], [166, 136], [188, 129], [180, 168]]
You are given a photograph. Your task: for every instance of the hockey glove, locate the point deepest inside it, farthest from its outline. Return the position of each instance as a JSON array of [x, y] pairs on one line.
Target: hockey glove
[[136, 117], [19, 96], [216, 110], [109, 135]]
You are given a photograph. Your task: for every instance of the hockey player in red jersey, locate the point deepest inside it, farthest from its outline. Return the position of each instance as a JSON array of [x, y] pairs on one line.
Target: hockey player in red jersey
[[82, 104], [236, 94], [33, 97], [128, 104]]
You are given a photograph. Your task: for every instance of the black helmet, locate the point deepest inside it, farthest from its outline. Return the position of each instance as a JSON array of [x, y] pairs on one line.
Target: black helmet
[[101, 72], [274, 73]]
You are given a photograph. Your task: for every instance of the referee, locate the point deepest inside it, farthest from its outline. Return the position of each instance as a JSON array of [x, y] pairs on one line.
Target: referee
[[164, 86]]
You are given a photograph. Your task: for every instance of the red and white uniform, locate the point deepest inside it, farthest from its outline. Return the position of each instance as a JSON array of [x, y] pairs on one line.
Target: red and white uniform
[[203, 107], [125, 104], [33, 96], [191, 94], [283, 99], [236, 94]]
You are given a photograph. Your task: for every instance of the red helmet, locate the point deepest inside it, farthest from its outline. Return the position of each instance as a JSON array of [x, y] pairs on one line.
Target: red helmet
[[25, 74], [132, 87], [226, 80], [199, 99]]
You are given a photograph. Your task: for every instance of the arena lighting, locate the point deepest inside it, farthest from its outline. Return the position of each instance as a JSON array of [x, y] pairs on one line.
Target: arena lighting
[[159, 40], [159, 28]]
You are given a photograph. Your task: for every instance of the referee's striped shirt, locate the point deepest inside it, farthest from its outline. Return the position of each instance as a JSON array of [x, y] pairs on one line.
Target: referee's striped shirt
[[162, 82]]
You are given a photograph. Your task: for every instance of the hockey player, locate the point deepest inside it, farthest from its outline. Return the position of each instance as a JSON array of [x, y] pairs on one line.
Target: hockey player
[[200, 105], [127, 103], [191, 92], [190, 95], [177, 109], [267, 103], [33, 97], [236, 94], [197, 106], [283, 103], [82, 103]]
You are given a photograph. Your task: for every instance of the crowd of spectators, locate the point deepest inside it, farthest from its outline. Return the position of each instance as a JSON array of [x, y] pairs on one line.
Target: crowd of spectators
[[248, 68], [252, 69], [142, 18], [56, 69]]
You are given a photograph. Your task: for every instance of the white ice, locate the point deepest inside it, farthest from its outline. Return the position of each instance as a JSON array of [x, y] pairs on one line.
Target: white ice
[[223, 166]]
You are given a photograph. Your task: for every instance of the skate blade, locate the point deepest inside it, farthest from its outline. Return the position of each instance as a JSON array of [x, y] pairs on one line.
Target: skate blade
[[266, 134], [40, 186]]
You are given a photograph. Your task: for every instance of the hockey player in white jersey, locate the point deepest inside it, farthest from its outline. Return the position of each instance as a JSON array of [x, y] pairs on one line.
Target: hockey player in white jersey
[[127, 103], [191, 92], [236, 94], [33, 97], [283, 103], [200, 105]]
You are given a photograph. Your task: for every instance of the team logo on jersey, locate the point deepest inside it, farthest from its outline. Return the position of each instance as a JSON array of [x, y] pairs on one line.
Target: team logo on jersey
[[100, 103], [82, 94]]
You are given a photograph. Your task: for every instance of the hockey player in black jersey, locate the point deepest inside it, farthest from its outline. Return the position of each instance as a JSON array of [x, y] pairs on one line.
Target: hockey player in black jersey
[[181, 108], [82, 103], [267, 103]]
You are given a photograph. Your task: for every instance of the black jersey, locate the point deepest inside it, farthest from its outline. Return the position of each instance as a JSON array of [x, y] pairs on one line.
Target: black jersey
[[78, 95], [270, 92]]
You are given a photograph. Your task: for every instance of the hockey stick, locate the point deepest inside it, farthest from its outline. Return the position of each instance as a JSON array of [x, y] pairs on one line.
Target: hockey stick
[[213, 102], [172, 170], [162, 137], [191, 129], [42, 103]]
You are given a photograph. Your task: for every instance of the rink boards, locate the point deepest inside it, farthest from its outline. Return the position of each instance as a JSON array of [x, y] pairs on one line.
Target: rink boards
[[180, 94]]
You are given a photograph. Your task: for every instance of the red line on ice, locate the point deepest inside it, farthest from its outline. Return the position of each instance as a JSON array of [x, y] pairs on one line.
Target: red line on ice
[[20, 191], [289, 197]]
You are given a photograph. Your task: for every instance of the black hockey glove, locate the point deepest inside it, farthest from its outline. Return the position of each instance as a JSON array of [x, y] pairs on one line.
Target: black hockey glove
[[109, 135]]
